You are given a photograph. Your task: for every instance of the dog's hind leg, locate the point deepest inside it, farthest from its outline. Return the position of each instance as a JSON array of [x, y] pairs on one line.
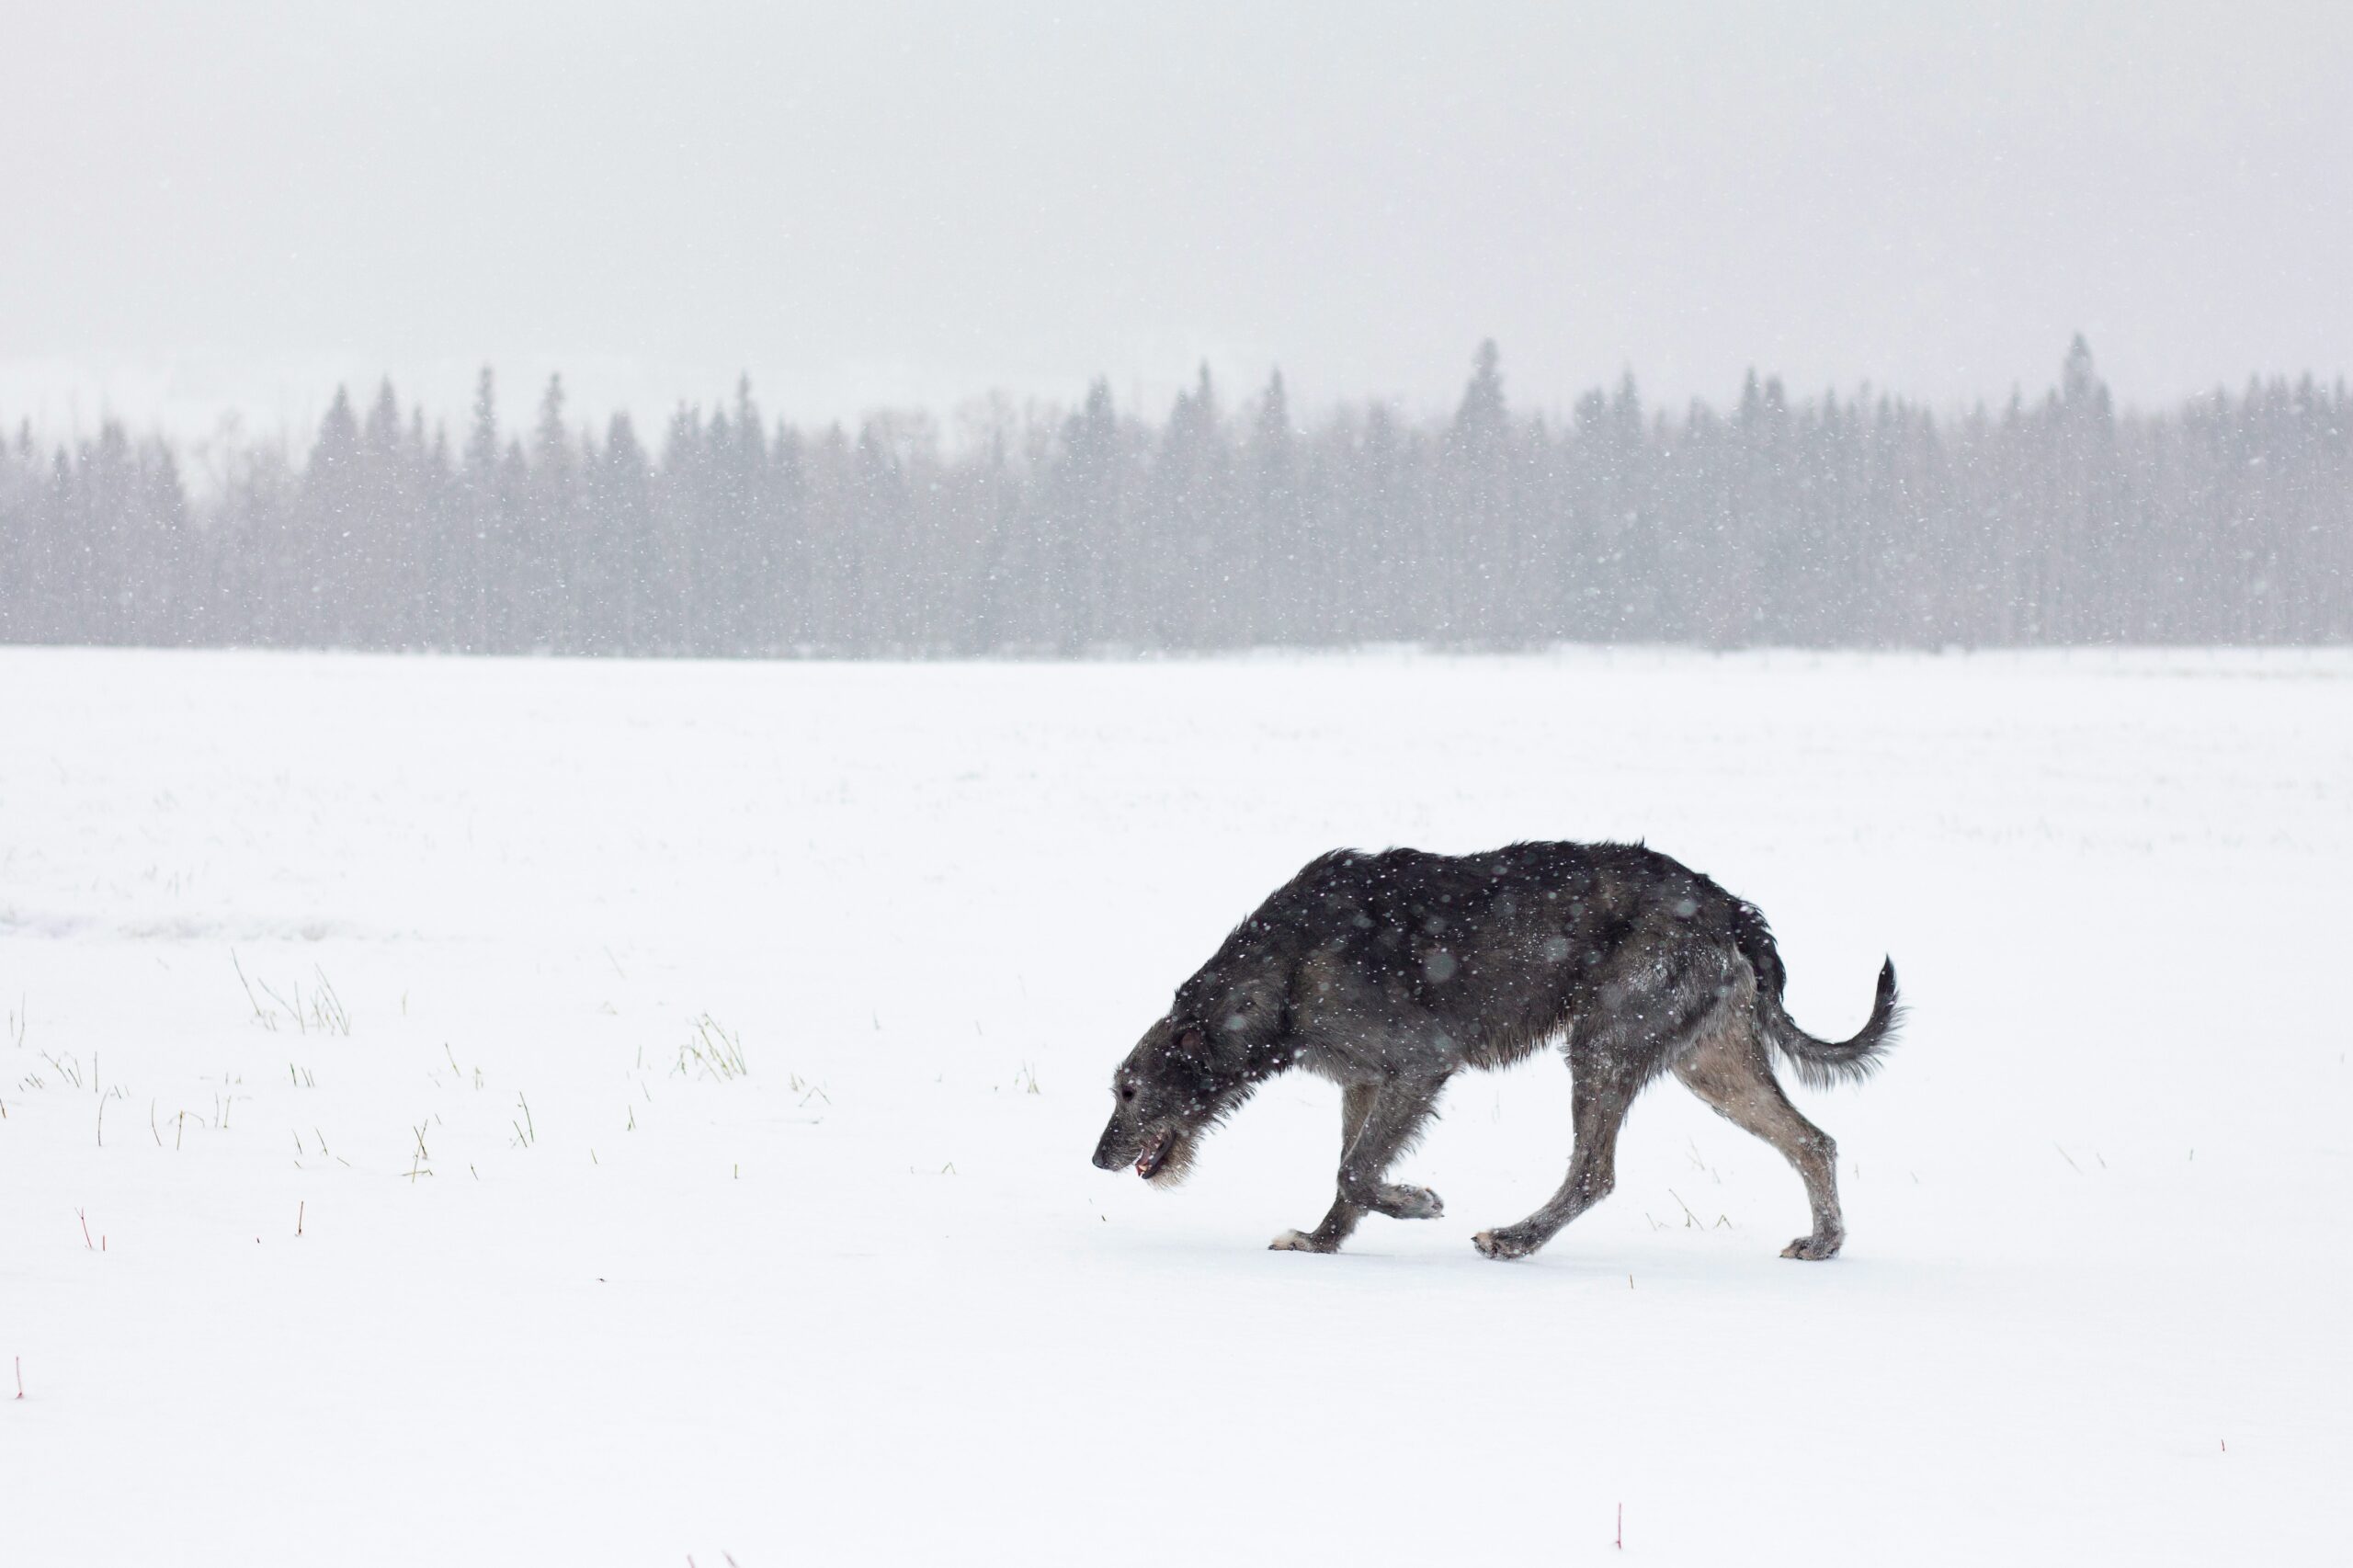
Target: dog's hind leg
[[1376, 1123], [1600, 1095], [1728, 1068]]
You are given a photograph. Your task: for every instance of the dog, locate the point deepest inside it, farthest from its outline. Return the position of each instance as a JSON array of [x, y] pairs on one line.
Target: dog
[[1390, 973]]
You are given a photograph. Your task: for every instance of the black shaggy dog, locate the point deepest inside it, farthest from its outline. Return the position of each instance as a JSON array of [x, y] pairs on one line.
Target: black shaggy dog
[[1390, 973]]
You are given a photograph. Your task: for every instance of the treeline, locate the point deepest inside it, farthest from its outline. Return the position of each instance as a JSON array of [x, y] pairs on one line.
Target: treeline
[[1864, 521]]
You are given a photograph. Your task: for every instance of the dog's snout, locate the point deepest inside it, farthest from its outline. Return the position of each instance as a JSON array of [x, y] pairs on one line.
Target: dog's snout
[[1106, 1156]]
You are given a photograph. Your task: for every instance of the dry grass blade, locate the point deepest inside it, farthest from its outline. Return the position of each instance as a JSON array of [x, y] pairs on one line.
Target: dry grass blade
[[711, 1052]]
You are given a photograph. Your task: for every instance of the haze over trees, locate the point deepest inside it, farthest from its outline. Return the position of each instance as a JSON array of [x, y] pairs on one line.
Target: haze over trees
[[1816, 521]]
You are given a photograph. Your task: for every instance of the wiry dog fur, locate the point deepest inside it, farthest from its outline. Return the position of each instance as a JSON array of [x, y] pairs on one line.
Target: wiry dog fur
[[1390, 973]]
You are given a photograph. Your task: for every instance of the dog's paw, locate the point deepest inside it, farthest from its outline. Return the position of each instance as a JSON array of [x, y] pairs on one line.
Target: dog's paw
[[1509, 1242], [1411, 1203], [1302, 1240], [1813, 1249]]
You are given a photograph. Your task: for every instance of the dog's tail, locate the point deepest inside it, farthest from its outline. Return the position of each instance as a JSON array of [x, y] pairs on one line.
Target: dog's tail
[[1820, 1062]]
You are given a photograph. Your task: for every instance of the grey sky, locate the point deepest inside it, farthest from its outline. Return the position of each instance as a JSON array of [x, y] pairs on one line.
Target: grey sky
[[235, 205]]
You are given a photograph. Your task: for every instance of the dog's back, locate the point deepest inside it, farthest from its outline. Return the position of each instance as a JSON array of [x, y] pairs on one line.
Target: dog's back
[[1500, 950]]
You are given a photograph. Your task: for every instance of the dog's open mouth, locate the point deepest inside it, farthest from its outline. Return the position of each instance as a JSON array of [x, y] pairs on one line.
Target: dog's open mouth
[[1156, 1152]]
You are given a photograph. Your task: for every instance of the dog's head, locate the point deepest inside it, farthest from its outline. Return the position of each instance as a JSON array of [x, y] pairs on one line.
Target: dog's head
[[1192, 1070]]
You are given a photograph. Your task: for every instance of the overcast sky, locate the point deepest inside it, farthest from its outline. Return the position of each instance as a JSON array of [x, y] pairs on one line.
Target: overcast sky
[[235, 205]]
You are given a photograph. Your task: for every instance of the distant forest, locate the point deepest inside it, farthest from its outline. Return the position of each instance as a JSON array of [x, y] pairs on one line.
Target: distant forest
[[1866, 521]]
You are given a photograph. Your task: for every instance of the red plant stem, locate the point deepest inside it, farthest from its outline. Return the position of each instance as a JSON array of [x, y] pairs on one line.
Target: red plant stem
[[20, 1375], [86, 1241], [1622, 1527]]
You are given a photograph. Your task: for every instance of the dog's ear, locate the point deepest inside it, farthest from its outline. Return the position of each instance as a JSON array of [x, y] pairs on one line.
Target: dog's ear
[[1204, 1054]]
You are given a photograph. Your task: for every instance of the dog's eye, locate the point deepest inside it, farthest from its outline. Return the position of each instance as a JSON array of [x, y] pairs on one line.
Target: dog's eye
[[1127, 1091]]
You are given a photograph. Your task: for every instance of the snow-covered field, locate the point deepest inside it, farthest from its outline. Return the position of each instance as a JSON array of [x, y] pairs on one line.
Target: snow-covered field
[[504, 1272]]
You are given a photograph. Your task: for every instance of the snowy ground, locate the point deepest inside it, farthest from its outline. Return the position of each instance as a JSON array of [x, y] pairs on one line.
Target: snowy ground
[[562, 1294]]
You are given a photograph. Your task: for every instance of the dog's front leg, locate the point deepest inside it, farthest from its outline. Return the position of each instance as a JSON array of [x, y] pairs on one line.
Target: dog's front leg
[[1356, 1103], [1376, 1123]]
